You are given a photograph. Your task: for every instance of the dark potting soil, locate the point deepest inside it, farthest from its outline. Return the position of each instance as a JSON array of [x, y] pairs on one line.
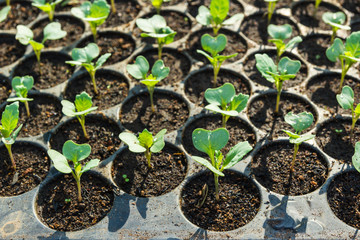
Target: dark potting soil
[[57, 204], [261, 113], [254, 27], [343, 197], [239, 131], [174, 2], [32, 166], [196, 84], [126, 11], [171, 112], [103, 136], [193, 6], [253, 73], [235, 44], [351, 5], [271, 167], [21, 13], [5, 88], [263, 4], [333, 137], [53, 67], [355, 27], [238, 204], [113, 88], [10, 49], [168, 171]]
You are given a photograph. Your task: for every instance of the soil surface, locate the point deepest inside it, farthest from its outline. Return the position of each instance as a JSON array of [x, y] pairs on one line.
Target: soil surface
[[168, 171], [196, 84], [262, 3], [58, 207], [103, 136], [171, 112], [238, 204], [254, 74], [261, 113], [355, 27], [21, 13], [126, 11], [193, 6], [112, 86], [10, 49], [5, 88], [32, 166], [350, 5], [271, 167]]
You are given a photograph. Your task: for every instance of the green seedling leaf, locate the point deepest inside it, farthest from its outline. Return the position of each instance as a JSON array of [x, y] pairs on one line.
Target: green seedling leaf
[[213, 45], [356, 157], [234, 19], [335, 20], [204, 16], [76, 152], [82, 106], [53, 31], [139, 69], [4, 12], [219, 10], [352, 46], [335, 50], [288, 67], [236, 154], [132, 141], [266, 65], [208, 141], [47, 7], [146, 139], [280, 32], [293, 42], [220, 96], [22, 85], [207, 164], [159, 71], [346, 98], [102, 60], [95, 13], [92, 164], [24, 34], [9, 119], [300, 121], [60, 162], [85, 55], [158, 143], [301, 139]]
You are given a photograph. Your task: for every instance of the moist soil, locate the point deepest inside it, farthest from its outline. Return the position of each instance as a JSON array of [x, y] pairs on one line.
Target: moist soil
[[126, 11], [355, 27], [262, 3], [21, 13], [343, 197], [235, 44], [239, 131], [333, 137], [271, 168], [261, 113], [112, 86], [193, 6], [168, 171], [254, 74], [32, 166], [196, 84], [5, 88], [57, 204], [351, 5], [171, 112], [103, 136], [238, 203], [254, 27], [10, 49], [53, 67]]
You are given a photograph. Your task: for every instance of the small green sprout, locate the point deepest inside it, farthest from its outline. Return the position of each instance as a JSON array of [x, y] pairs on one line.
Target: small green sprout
[[348, 54], [157, 4], [145, 143], [338, 130], [67, 200], [211, 142], [335, 20], [46, 6], [124, 176], [317, 4], [22, 85], [75, 153], [356, 157], [94, 13], [299, 122], [279, 33], [140, 69], [82, 107], [155, 27], [9, 121], [214, 45], [271, 9], [216, 15], [224, 101], [52, 31], [285, 70], [4, 12], [84, 56]]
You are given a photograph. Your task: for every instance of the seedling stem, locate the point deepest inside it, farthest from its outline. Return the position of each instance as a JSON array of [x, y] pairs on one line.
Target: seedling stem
[[7, 2], [92, 75], [8, 147], [113, 8], [27, 108], [148, 156], [296, 149], [271, 9], [93, 30], [82, 122], [345, 66]]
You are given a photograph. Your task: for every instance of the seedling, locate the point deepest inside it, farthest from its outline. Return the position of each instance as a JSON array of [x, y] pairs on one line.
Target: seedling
[[214, 45], [224, 101], [126, 179], [46, 6], [84, 56], [335, 20], [356, 157], [140, 69], [316, 7], [52, 31], [347, 55], [285, 70], [211, 142], [145, 143], [279, 34], [22, 85], [299, 122], [9, 121], [75, 153], [155, 27], [4, 12], [157, 4], [216, 15], [271, 9], [94, 13], [81, 108], [7, 2]]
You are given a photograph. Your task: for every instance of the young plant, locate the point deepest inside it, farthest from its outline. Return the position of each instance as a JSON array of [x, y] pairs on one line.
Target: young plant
[[316, 7], [4, 12], [285, 70], [155, 27], [335, 20], [211, 142], [145, 143], [52, 31], [299, 122], [46, 6], [157, 4], [356, 157], [84, 56], [216, 15], [94, 13], [224, 101], [271, 9], [81, 108], [214, 45], [75, 153], [21, 86], [279, 33], [140, 69], [347, 54]]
